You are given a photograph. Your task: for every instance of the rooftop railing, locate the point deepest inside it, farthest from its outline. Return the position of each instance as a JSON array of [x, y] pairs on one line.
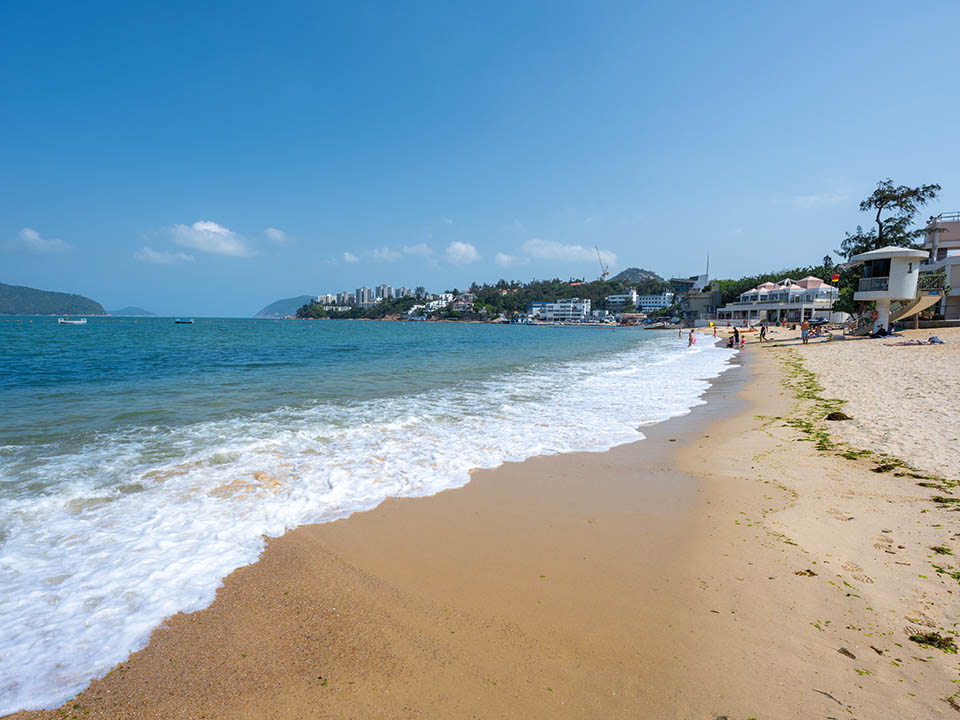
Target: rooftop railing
[[874, 284], [947, 217]]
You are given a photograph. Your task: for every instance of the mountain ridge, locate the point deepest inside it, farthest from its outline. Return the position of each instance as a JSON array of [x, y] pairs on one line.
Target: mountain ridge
[[23, 300], [285, 307], [634, 274], [132, 311]]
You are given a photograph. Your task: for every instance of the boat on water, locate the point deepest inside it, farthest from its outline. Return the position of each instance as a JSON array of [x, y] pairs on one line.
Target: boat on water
[[68, 321], [180, 321]]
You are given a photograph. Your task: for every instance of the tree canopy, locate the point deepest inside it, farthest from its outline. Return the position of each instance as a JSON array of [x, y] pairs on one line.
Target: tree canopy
[[895, 207]]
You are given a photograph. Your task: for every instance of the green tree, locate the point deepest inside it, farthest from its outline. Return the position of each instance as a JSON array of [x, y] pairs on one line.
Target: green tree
[[895, 207]]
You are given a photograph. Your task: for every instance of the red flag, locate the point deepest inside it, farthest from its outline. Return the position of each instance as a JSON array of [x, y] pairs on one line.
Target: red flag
[[836, 277]]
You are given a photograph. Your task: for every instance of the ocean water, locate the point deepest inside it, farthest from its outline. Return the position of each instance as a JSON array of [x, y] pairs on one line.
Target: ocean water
[[142, 461]]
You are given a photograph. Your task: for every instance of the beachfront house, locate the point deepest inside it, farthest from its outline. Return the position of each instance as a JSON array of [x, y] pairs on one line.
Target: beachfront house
[[464, 302], [942, 243], [790, 300]]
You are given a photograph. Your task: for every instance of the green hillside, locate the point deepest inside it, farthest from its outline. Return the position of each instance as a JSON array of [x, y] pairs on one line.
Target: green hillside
[[285, 307], [19, 300]]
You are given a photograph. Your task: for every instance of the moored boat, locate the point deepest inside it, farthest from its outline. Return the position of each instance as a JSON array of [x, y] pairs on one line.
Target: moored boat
[[68, 321]]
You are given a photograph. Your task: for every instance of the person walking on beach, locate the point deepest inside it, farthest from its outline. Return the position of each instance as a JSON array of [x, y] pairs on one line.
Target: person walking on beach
[[763, 332], [805, 331], [691, 339]]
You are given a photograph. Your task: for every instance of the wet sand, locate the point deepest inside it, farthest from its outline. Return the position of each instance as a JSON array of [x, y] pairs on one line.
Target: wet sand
[[656, 580]]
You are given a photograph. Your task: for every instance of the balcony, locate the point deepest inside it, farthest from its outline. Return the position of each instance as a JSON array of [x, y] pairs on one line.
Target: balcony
[[873, 284]]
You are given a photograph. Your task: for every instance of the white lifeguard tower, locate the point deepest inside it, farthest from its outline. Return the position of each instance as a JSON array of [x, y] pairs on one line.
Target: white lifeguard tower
[[890, 274]]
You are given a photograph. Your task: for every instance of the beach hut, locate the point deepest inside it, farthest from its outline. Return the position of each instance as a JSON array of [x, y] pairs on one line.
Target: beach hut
[[889, 274]]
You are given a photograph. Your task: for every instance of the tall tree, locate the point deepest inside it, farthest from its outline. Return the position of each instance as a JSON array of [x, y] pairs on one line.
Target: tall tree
[[895, 207]]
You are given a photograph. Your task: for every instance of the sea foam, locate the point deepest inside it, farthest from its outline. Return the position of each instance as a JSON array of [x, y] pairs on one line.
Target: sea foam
[[143, 523]]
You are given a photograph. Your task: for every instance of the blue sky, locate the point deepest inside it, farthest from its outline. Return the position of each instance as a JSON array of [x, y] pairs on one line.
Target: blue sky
[[207, 159]]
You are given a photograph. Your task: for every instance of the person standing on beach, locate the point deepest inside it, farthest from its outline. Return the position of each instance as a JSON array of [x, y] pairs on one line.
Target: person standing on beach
[[691, 339], [736, 336], [805, 331], [763, 332]]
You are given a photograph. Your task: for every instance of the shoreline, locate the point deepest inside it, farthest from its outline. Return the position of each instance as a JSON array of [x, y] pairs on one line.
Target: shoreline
[[721, 566]]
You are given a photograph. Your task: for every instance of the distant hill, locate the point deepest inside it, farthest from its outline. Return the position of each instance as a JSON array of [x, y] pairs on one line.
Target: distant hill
[[131, 311], [19, 300], [636, 275], [285, 307]]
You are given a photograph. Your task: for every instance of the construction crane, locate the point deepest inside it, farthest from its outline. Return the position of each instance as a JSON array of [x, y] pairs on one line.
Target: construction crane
[[604, 270]]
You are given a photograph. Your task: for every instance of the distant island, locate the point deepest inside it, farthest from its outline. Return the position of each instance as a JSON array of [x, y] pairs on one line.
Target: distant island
[[132, 311], [286, 307], [19, 300]]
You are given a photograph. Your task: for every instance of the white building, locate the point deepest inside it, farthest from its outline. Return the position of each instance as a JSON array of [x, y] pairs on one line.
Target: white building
[[402, 292], [790, 300], [384, 292], [943, 245], [566, 310], [345, 298], [654, 302], [328, 299], [618, 302]]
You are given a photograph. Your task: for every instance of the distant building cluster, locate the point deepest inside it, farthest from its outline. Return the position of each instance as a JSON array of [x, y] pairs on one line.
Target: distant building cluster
[[363, 297]]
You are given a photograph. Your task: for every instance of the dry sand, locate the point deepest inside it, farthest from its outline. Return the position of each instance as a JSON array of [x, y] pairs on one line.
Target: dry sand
[[904, 400], [723, 567]]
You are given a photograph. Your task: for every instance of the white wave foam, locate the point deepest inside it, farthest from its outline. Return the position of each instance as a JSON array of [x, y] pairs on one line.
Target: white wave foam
[[152, 520]]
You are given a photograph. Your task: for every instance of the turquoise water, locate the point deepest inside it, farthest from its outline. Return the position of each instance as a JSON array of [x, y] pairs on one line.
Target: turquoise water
[[142, 461]]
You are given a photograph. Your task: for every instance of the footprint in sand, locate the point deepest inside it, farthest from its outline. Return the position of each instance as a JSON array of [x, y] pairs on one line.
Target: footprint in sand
[[851, 567], [859, 577]]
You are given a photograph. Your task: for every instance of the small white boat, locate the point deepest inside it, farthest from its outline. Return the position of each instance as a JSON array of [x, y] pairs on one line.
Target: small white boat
[[67, 321], [181, 321]]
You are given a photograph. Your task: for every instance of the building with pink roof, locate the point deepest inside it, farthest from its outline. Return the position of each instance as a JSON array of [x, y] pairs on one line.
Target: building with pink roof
[[791, 300]]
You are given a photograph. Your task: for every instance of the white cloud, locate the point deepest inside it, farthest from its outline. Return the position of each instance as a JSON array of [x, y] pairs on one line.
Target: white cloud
[[421, 249], [504, 260], [30, 239], [210, 237], [448, 221], [277, 236], [553, 250], [350, 257], [384, 254], [161, 257], [817, 200], [461, 253]]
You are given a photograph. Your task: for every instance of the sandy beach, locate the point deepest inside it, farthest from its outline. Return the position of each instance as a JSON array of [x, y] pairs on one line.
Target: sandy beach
[[742, 561]]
